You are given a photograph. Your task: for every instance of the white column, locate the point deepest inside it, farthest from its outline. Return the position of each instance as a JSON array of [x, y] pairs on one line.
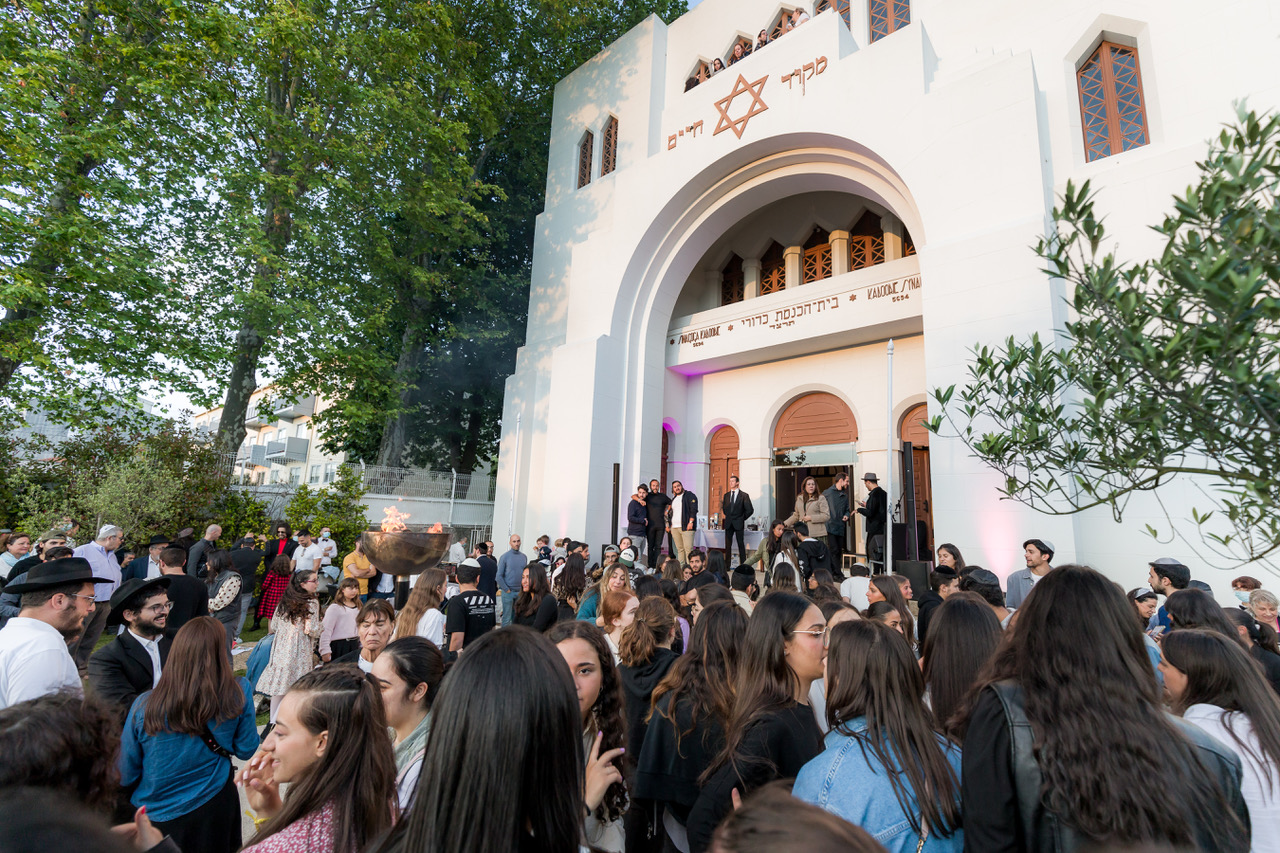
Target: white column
[[839, 252], [751, 278], [892, 238], [794, 257]]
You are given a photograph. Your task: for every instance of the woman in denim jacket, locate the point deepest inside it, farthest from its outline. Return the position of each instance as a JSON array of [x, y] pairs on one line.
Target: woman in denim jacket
[[884, 767]]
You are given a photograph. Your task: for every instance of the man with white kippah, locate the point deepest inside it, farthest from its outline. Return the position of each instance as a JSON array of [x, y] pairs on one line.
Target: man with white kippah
[[101, 554], [1038, 553]]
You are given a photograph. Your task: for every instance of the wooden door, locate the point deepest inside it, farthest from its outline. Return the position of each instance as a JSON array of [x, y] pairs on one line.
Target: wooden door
[[724, 463]]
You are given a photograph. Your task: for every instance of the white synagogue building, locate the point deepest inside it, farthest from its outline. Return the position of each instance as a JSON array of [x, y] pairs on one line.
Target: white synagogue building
[[725, 254]]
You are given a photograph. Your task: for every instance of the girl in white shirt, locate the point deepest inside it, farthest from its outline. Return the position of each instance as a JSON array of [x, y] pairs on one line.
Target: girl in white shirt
[[421, 615], [1212, 682]]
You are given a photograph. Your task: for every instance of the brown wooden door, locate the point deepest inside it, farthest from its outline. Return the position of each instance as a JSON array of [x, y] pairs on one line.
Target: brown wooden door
[[724, 463]]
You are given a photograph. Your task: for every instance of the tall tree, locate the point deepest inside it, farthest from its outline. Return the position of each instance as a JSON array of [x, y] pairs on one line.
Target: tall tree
[[1169, 370], [448, 296], [104, 109]]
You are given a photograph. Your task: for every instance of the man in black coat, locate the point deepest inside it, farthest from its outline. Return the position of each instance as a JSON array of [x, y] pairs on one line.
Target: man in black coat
[[655, 506], [247, 559], [812, 554], [735, 509], [148, 565], [130, 664], [875, 510]]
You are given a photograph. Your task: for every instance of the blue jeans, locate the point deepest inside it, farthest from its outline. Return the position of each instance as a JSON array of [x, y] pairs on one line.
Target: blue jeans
[[246, 600], [508, 605]]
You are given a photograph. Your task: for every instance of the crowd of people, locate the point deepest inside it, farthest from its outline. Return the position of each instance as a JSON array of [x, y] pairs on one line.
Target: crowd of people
[[742, 48], [656, 700]]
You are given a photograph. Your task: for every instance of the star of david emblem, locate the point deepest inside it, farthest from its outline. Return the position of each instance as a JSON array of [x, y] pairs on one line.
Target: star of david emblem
[[742, 87]]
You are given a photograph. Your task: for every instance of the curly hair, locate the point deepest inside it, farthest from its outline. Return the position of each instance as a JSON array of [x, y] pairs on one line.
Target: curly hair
[[295, 605], [63, 742], [705, 676], [607, 714], [1114, 767]]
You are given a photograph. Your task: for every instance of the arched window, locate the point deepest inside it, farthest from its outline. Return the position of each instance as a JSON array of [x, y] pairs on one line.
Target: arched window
[[732, 283], [609, 157], [746, 43], [584, 159], [866, 242], [1112, 110], [888, 16], [908, 245], [844, 7], [817, 256], [773, 269], [782, 26], [700, 74]]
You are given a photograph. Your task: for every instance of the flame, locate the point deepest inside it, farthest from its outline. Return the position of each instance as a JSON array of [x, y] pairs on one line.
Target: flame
[[394, 521], [436, 528]]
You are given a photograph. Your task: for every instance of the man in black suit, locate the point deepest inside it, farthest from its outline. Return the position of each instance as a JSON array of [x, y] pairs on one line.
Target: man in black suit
[[131, 664], [735, 509], [875, 510], [655, 506], [148, 565]]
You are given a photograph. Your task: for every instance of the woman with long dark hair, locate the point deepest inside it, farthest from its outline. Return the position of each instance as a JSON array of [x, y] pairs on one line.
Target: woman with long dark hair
[[179, 738], [509, 695], [885, 588], [614, 578], [671, 592], [569, 586], [772, 732], [1261, 641], [962, 639], [274, 583], [1194, 608], [690, 711], [811, 507], [784, 578], [224, 592], [535, 606], [1212, 683], [1097, 759], [604, 729], [769, 547], [297, 627], [408, 673], [645, 657], [704, 596], [821, 586], [949, 558], [421, 615], [330, 745], [1144, 603], [884, 767]]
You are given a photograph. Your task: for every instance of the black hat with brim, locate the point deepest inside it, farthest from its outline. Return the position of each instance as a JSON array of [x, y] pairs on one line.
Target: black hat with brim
[[159, 540], [57, 573], [128, 590]]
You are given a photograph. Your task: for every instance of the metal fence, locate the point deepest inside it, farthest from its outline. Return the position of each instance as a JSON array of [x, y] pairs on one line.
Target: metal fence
[[419, 483]]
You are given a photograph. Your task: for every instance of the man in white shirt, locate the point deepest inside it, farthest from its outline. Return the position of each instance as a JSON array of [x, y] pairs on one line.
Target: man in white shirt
[[309, 553], [101, 556], [684, 516], [457, 551], [57, 600], [129, 665], [329, 549]]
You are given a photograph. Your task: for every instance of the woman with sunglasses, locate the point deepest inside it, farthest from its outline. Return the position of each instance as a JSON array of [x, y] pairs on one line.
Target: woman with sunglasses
[[772, 732]]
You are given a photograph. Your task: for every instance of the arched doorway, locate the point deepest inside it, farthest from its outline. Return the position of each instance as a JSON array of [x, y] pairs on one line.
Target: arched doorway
[[724, 464], [912, 429], [814, 437], [662, 469]]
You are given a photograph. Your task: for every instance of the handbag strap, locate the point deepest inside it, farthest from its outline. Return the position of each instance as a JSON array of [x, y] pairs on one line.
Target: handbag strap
[[924, 835], [214, 747]]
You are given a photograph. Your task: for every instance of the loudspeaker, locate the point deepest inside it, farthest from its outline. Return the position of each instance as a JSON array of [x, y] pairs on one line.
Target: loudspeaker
[[900, 542], [912, 549], [918, 572]]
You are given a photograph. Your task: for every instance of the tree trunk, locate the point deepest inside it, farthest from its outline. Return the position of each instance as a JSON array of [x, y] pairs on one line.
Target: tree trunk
[[394, 450], [244, 381]]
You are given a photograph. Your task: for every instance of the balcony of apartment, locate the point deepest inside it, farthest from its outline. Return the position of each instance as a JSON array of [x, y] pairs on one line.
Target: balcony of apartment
[[290, 451], [290, 412]]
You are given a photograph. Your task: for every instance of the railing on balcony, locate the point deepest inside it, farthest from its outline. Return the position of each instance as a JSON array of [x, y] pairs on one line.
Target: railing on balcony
[[287, 452]]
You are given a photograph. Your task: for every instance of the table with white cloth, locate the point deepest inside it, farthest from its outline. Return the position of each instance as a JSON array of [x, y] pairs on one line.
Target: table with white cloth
[[709, 539]]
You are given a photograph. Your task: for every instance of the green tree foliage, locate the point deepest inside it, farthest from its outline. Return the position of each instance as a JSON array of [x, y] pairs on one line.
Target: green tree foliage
[[337, 506], [103, 120], [240, 514], [1169, 369]]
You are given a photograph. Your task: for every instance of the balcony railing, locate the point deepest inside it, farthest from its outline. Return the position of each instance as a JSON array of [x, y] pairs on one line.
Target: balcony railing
[[287, 452]]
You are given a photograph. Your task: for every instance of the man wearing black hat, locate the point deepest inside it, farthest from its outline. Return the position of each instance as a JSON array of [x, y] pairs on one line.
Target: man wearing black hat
[[130, 664], [57, 597], [987, 586], [875, 510], [147, 567]]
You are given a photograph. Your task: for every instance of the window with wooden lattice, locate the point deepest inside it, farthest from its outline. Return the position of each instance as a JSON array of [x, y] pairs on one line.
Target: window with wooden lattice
[[701, 73], [844, 7], [908, 246], [888, 16], [732, 282], [866, 242], [1112, 109], [816, 264], [609, 156], [782, 26], [747, 45], [773, 269], [584, 159]]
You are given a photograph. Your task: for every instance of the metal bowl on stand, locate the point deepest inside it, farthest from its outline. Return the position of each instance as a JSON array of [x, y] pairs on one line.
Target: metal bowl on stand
[[404, 553]]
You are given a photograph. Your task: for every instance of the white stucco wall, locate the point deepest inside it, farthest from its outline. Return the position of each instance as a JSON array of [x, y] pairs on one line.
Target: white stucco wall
[[964, 125]]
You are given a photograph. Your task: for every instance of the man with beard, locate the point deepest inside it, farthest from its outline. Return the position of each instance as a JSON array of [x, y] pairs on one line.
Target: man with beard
[[57, 597], [130, 664]]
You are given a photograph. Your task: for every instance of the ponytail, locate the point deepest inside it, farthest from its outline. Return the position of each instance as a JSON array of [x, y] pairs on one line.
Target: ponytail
[[655, 619]]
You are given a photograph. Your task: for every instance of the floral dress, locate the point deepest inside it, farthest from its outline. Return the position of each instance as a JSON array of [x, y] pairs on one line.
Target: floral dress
[[311, 833], [293, 651]]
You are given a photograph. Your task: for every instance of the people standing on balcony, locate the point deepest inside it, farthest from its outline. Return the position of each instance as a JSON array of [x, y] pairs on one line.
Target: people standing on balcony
[[739, 53], [762, 39], [717, 66]]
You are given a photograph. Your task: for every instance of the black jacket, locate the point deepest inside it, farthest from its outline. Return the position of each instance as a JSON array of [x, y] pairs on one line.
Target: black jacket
[[247, 561], [929, 602], [1000, 782], [875, 512], [690, 504], [1270, 662], [838, 504], [812, 555], [735, 517], [121, 670], [638, 683], [669, 773]]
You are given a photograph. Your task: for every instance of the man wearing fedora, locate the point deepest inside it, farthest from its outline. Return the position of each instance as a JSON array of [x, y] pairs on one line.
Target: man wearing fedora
[[875, 510], [57, 599], [11, 602], [130, 664], [146, 567]]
